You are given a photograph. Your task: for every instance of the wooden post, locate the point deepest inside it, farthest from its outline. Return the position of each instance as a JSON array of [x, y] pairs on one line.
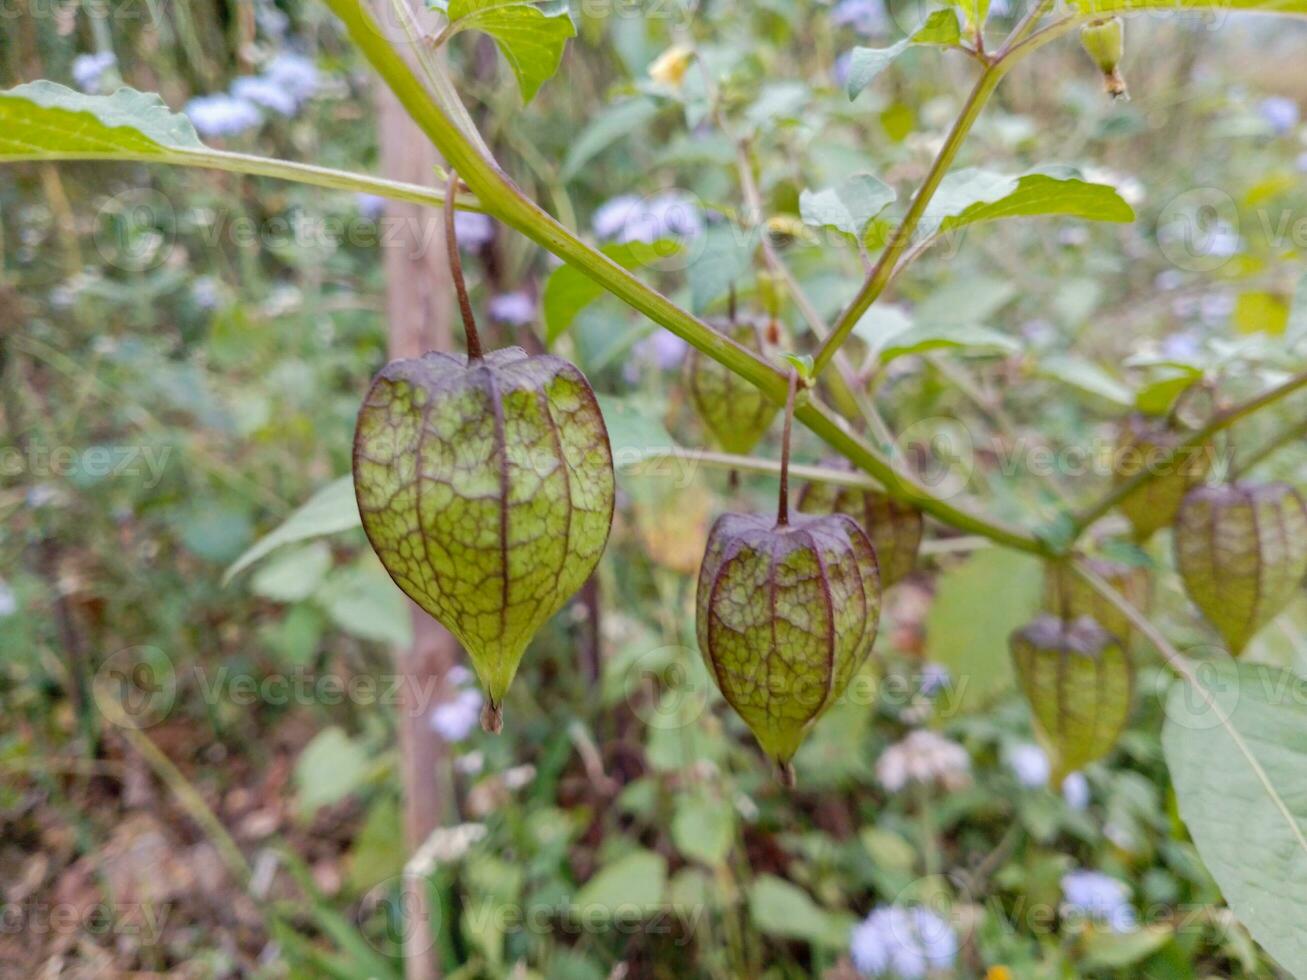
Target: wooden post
[[419, 305]]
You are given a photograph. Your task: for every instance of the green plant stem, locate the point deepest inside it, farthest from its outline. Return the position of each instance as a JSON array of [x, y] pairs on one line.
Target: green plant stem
[[302, 173], [499, 196], [767, 467], [883, 270], [1217, 423]]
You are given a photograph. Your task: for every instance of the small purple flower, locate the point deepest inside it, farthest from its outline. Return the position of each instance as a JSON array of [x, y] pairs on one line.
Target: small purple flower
[[1280, 113], [266, 93], [222, 115], [840, 70], [474, 230], [89, 70], [1075, 790], [454, 720], [514, 309], [902, 942], [1099, 897], [664, 349], [1029, 763], [629, 219], [1302, 163], [867, 17], [371, 206], [1182, 347], [295, 73]]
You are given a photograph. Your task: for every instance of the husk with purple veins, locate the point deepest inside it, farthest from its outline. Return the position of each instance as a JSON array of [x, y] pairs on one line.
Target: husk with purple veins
[[485, 484], [1144, 443], [1242, 553], [787, 611], [1078, 681], [895, 528]]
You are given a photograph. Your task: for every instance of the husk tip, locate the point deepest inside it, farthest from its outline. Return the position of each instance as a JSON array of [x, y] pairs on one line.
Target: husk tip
[[492, 718]]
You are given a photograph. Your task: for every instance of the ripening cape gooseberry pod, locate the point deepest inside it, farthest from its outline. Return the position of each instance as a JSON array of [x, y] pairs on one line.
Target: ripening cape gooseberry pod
[[787, 612], [1141, 445], [735, 412], [1069, 596], [485, 485], [1078, 681], [1242, 552], [895, 528]]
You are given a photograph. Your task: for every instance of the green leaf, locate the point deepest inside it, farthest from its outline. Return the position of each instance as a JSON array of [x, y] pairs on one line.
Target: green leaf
[[47, 121], [723, 258], [330, 768], [940, 28], [1106, 950], [967, 197], [531, 37], [965, 300], [966, 338], [329, 511], [635, 430], [1158, 395], [293, 574], [781, 909], [848, 208], [703, 829], [43, 120], [635, 880], [1103, 7], [1235, 740], [604, 130], [975, 11], [363, 602], [978, 604], [1087, 377], [568, 290]]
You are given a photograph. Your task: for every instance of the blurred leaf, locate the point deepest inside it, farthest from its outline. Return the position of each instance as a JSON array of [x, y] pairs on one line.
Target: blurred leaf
[[1102, 7], [331, 510], [1234, 743], [781, 909], [378, 851], [1158, 395], [1086, 376], [778, 101], [635, 880], [966, 338], [294, 574], [43, 121], [530, 36], [977, 606], [940, 28], [1296, 330], [967, 197], [849, 207], [703, 829], [568, 290], [365, 603], [635, 429], [214, 532], [330, 768], [966, 299], [1258, 312], [605, 129], [975, 11], [1106, 950], [722, 258]]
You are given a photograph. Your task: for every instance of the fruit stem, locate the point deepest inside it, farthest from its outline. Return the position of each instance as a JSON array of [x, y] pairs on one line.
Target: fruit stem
[[783, 507], [456, 273], [789, 779]]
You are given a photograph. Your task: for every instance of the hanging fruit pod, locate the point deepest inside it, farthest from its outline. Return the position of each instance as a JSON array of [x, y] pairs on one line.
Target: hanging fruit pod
[[1078, 681], [1242, 553], [485, 484], [1104, 42], [734, 411], [1068, 596], [895, 528], [1144, 445], [787, 612]]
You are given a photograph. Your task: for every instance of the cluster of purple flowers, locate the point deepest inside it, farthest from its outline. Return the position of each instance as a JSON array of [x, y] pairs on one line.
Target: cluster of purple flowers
[[285, 84]]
